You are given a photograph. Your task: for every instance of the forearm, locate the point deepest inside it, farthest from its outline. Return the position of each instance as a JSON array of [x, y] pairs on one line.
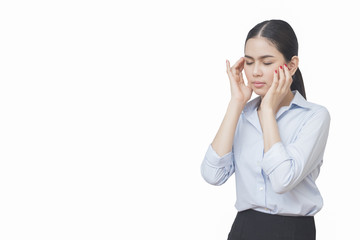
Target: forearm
[[270, 128], [223, 140], [288, 163], [216, 170]]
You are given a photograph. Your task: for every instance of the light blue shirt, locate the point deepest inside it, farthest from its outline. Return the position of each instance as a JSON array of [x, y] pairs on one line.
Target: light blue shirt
[[282, 180]]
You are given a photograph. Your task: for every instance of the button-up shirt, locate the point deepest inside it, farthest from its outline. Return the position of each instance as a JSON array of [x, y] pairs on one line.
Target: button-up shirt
[[282, 180]]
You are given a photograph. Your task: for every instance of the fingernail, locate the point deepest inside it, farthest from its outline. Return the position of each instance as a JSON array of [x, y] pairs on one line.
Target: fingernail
[[275, 71], [280, 67], [285, 65]]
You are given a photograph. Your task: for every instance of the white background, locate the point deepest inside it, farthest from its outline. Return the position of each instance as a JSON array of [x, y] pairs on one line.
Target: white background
[[107, 109]]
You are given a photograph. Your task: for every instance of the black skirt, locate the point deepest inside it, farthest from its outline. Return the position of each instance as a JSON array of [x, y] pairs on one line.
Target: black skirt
[[254, 225]]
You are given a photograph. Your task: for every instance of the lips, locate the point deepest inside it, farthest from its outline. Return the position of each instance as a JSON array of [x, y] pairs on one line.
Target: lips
[[258, 84]]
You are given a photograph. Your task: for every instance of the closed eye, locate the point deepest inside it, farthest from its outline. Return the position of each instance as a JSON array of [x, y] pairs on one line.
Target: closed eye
[[249, 63], [268, 63]]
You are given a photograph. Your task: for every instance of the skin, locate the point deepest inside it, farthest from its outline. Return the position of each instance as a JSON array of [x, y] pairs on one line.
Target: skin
[[269, 78]]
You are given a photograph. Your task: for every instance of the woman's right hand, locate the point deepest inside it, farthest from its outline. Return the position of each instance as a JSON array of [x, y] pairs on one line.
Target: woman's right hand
[[239, 91]]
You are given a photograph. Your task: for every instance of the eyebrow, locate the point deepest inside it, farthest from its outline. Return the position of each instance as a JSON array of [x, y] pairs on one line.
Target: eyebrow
[[261, 57]]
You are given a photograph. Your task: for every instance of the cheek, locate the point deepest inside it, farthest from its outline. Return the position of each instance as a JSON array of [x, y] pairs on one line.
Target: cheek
[[269, 75]]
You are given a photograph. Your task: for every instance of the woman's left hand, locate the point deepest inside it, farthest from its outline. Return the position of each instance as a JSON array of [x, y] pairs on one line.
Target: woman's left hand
[[279, 88]]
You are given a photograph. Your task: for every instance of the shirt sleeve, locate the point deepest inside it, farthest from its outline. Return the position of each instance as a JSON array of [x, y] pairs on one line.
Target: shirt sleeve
[[215, 169], [288, 165]]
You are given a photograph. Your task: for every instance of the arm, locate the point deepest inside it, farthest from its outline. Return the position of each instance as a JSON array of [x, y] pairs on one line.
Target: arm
[[270, 128], [240, 94], [279, 93], [223, 140], [288, 165], [218, 165]]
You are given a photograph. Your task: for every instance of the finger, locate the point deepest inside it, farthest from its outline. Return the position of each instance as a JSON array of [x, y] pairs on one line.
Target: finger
[[239, 65], [281, 78], [227, 67], [237, 68], [288, 77], [275, 82], [229, 71], [241, 78]]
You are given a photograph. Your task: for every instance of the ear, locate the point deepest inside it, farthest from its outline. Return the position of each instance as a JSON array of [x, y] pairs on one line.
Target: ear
[[293, 64]]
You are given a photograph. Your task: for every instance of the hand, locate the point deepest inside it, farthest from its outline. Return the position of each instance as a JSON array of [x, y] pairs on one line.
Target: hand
[[278, 90], [239, 91]]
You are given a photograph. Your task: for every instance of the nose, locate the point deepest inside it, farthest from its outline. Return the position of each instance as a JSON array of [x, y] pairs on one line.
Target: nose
[[257, 71]]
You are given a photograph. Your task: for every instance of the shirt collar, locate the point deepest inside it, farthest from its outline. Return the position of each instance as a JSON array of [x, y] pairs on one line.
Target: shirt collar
[[298, 100], [250, 110]]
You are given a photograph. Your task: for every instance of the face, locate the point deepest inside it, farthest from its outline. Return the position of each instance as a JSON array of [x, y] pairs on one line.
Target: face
[[261, 60]]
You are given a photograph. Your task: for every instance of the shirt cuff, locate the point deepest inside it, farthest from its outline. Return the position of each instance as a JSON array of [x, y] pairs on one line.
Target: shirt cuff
[[274, 157], [214, 160]]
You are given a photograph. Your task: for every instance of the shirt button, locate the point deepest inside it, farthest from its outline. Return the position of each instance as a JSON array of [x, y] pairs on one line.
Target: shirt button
[[261, 188]]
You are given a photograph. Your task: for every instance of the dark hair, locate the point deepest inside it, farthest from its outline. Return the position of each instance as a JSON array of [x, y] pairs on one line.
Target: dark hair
[[281, 34]]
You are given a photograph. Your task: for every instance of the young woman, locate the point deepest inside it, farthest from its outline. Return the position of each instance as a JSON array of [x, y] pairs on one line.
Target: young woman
[[274, 143]]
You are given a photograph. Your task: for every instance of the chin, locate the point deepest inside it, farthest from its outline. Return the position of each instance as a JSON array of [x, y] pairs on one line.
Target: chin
[[260, 92]]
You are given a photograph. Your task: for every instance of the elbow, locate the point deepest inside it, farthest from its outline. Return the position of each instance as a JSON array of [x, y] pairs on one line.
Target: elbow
[[214, 182], [282, 184], [280, 189], [283, 178], [215, 178]]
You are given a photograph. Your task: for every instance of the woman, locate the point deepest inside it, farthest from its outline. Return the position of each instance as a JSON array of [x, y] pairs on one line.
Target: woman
[[274, 143]]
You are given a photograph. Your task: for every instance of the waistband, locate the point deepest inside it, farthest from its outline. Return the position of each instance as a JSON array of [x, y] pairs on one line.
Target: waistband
[[254, 213]]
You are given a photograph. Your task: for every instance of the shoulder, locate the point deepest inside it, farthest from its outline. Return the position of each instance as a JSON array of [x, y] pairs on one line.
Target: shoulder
[[318, 110], [312, 109], [318, 117]]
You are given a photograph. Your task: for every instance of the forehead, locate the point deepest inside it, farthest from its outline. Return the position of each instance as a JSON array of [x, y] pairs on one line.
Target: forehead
[[260, 46]]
